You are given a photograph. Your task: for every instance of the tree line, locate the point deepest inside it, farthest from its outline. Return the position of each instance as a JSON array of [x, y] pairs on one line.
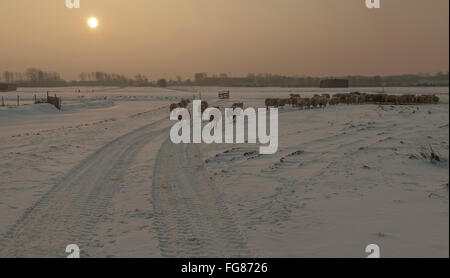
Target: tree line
[[37, 77], [267, 79], [31, 75]]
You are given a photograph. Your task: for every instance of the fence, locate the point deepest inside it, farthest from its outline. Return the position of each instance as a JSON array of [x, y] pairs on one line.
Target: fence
[[3, 101], [56, 101]]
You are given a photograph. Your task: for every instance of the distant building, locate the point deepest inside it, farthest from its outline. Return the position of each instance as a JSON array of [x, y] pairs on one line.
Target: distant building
[[334, 83], [5, 87], [199, 77]]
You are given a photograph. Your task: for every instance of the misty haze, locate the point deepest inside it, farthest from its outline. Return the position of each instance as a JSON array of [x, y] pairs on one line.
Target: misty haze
[[358, 165]]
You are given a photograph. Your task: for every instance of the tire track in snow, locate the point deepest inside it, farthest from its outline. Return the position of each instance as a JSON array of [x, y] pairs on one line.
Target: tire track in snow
[[70, 210], [190, 217]]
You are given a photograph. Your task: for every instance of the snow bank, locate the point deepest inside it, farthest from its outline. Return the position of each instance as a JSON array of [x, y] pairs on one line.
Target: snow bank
[[12, 113]]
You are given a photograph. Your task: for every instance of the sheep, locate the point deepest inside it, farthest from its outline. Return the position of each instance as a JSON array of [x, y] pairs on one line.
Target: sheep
[[327, 96], [406, 99], [238, 105], [376, 98], [392, 99], [294, 100], [271, 102], [334, 101], [314, 101], [322, 101], [343, 98], [354, 99], [350, 98], [182, 104], [362, 98], [304, 103], [282, 102], [173, 106], [435, 99], [204, 105]]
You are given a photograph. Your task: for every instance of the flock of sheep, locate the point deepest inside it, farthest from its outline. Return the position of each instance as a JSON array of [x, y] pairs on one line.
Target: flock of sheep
[[204, 105], [323, 100], [184, 104]]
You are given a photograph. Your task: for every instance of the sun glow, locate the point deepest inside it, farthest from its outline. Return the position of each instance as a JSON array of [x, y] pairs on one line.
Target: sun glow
[[93, 22]]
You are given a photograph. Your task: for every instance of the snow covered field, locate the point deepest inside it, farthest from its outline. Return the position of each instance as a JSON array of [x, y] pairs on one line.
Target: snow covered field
[[103, 174]]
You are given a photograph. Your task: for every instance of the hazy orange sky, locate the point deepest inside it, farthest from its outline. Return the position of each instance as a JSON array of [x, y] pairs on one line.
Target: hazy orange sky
[[166, 38]]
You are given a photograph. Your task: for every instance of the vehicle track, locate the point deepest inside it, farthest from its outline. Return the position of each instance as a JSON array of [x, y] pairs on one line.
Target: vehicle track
[[70, 210], [191, 218]]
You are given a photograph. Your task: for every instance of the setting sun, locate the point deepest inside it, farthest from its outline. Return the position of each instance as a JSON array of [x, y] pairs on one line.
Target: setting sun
[[93, 22]]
